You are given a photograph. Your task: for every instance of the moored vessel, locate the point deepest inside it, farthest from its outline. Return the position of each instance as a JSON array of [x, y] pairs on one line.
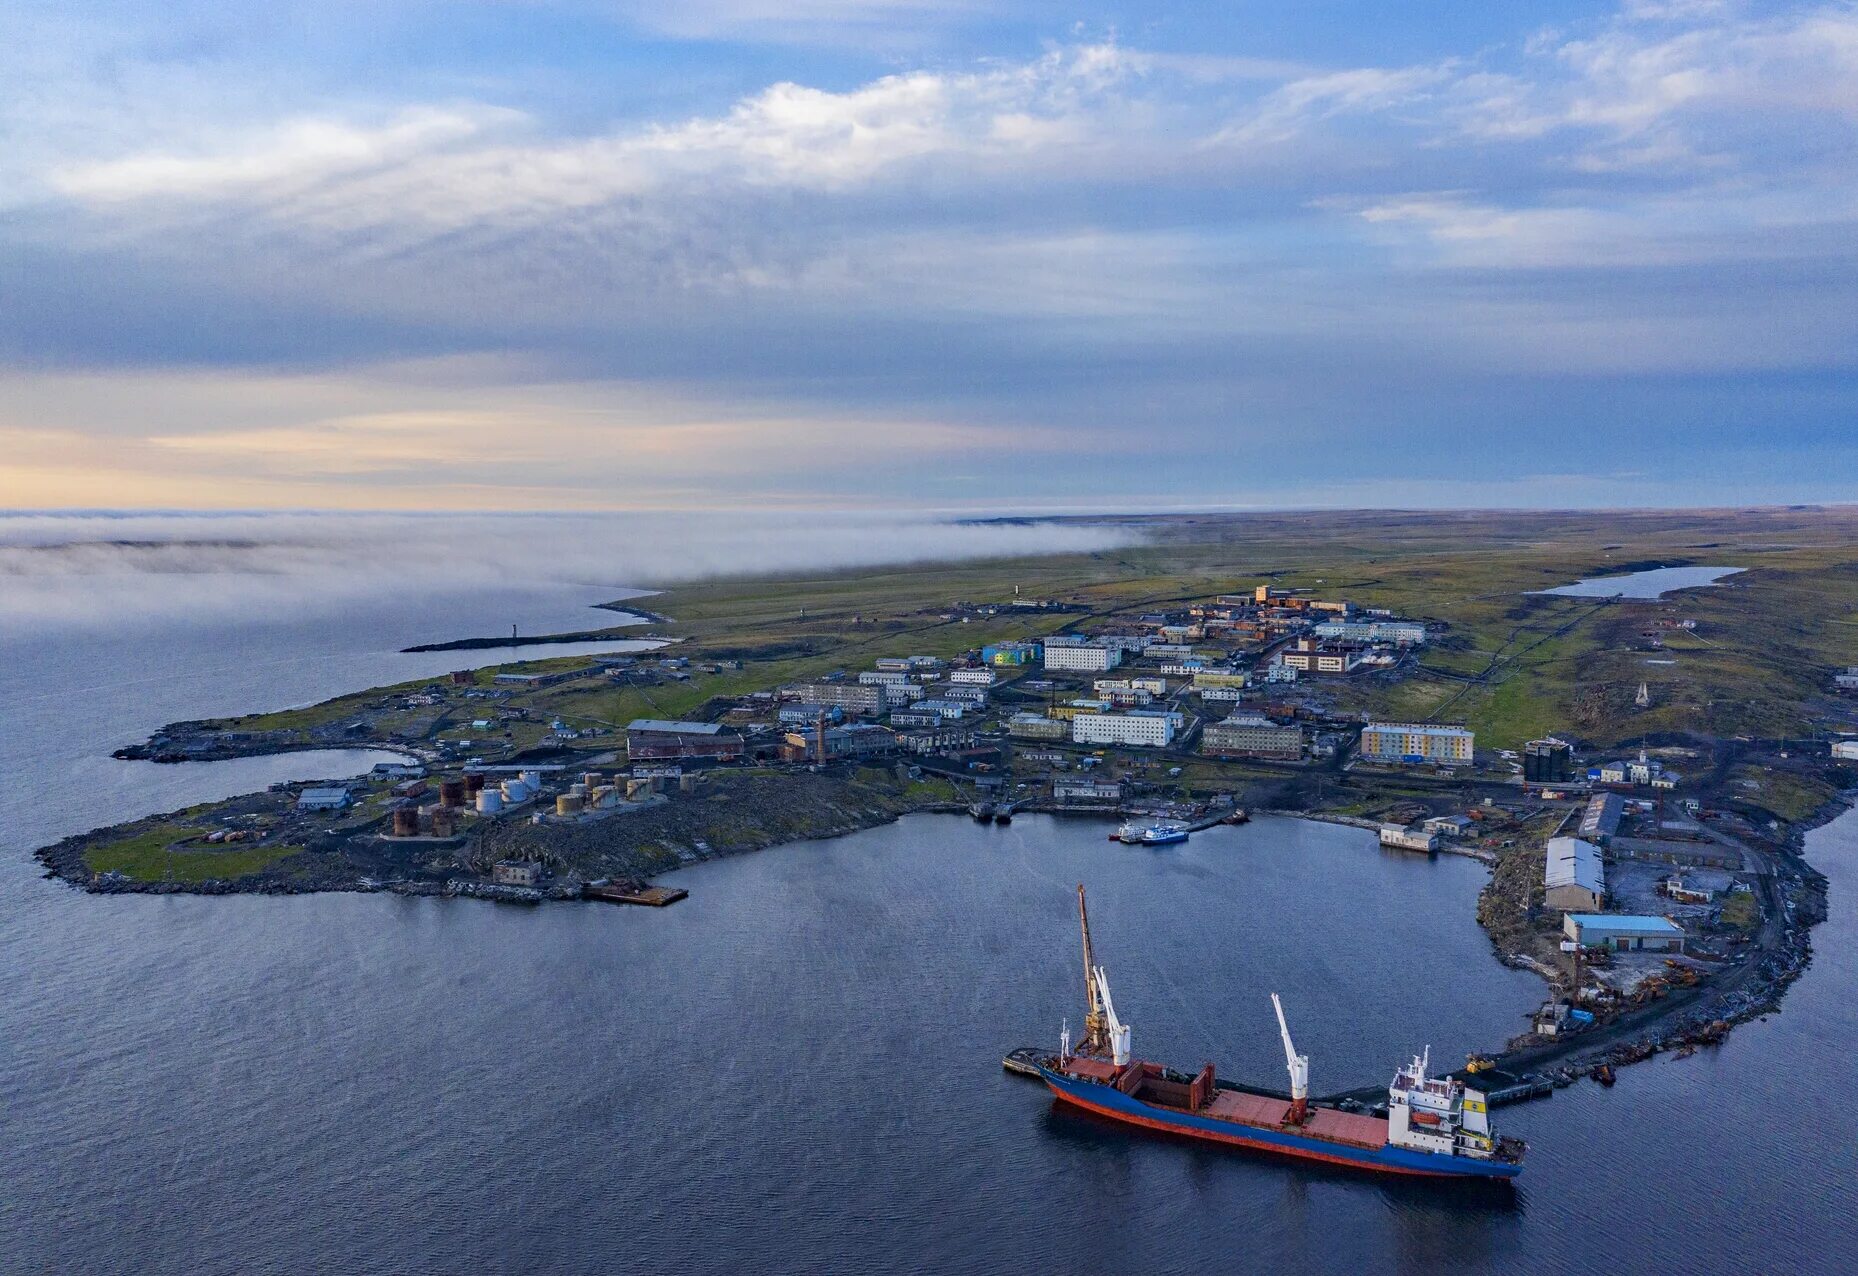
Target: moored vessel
[[1437, 1126]]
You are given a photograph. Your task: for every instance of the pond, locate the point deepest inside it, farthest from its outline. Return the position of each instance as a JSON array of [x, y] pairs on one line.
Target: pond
[[1653, 583]]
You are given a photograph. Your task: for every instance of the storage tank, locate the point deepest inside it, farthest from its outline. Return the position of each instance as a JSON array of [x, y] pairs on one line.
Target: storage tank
[[474, 782], [490, 801], [568, 804], [451, 792], [687, 783], [603, 797], [578, 790], [593, 780], [444, 822], [406, 821], [533, 779], [515, 791], [636, 789]]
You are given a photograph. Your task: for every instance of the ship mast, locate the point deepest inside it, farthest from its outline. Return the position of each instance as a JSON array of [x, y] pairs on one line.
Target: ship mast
[[1096, 1027]]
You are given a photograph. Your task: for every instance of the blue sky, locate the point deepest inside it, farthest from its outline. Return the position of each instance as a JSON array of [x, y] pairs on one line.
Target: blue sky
[[951, 256]]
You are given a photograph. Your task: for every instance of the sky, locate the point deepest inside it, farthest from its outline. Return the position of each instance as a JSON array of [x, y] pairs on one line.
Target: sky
[[898, 255]]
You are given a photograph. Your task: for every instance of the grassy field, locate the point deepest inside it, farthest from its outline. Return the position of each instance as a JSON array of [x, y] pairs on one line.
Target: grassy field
[[153, 856], [1510, 665]]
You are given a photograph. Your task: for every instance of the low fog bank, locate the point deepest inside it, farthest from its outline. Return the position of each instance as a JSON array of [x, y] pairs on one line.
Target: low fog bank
[[84, 569]]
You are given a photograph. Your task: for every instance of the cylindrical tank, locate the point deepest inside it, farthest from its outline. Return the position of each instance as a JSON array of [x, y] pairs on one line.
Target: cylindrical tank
[[578, 790], [568, 804], [451, 792], [474, 782], [533, 779], [515, 791], [593, 780], [601, 797], [489, 802], [636, 789], [687, 783], [444, 822], [406, 821]]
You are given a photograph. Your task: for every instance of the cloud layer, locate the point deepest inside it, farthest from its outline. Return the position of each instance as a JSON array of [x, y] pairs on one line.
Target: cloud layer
[[135, 570], [875, 280]]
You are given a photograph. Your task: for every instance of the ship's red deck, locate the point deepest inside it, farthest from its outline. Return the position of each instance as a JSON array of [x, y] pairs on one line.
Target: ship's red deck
[[1322, 1123], [1257, 1110]]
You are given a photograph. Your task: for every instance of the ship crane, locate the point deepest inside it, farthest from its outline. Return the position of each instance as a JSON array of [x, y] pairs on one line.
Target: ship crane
[[1096, 1038], [1119, 1031], [1299, 1066]]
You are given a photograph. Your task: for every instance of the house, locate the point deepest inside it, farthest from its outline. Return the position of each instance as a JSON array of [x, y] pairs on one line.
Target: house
[[516, 873]]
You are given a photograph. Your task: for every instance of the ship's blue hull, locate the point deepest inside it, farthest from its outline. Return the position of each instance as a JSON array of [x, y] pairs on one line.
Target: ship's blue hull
[[1110, 1102]]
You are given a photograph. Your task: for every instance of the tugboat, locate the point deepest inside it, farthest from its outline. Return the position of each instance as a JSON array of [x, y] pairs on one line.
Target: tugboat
[[1436, 1126], [1150, 833]]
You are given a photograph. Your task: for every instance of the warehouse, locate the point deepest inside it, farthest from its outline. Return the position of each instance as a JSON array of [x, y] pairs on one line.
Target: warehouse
[[1574, 875], [1601, 818], [1624, 932], [1141, 730], [657, 738]]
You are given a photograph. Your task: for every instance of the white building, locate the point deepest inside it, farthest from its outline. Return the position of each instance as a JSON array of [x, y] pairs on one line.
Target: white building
[[1083, 658], [1153, 731], [1845, 749], [975, 677]]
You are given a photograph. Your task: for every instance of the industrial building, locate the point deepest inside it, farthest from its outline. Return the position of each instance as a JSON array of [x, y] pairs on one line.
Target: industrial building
[[657, 738], [1624, 932], [1142, 730], [324, 798], [1548, 761], [1252, 736], [1600, 820], [835, 744], [1092, 657], [1574, 874], [1087, 792], [1416, 742], [1845, 750]]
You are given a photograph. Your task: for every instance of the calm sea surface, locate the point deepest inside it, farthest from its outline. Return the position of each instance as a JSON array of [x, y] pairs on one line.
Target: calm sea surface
[[797, 1070]]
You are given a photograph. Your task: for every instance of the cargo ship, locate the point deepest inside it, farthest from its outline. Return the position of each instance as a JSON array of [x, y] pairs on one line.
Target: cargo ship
[[1435, 1126]]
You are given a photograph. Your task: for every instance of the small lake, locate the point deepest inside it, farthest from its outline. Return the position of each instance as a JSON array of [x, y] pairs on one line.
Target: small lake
[[1654, 583]]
